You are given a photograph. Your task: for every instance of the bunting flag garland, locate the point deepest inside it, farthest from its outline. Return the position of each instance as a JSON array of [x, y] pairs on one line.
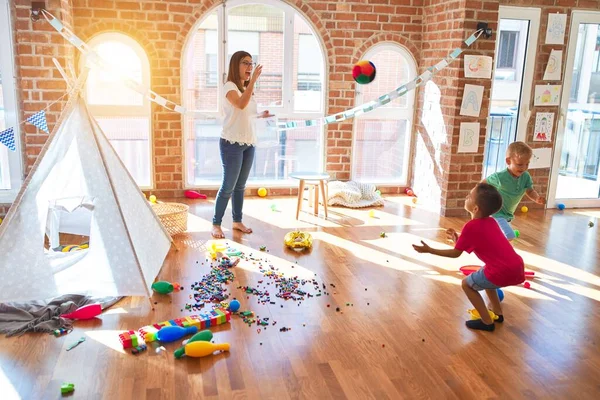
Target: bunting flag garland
[[7, 138], [94, 58], [39, 121], [386, 98]]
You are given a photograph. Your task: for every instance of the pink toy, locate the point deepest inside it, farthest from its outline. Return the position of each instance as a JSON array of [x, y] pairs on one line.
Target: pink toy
[[85, 312], [469, 269], [192, 194]]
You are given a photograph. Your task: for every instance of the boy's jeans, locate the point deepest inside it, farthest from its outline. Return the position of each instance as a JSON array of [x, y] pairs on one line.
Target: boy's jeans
[[506, 228], [237, 161]]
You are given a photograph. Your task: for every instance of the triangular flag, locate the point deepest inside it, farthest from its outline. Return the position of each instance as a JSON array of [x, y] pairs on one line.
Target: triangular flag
[[39, 120], [7, 138]]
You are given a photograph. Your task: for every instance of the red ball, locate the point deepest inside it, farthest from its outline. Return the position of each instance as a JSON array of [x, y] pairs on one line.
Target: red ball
[[527, 285]]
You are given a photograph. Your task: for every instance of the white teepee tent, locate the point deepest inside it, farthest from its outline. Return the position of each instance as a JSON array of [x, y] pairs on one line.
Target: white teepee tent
[[78, 170]]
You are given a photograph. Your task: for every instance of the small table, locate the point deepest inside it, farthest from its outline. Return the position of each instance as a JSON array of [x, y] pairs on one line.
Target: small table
[[313, 180]]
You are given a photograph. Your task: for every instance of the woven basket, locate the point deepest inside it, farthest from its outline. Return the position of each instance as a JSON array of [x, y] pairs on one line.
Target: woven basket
[[173, 216]]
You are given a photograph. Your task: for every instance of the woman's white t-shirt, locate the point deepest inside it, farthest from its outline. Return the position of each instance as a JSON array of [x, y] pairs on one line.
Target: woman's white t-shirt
[[238, 126]]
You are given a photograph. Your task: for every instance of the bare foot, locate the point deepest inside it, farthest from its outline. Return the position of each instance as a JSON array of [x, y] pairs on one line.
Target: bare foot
[[217, 232], [238, 226]]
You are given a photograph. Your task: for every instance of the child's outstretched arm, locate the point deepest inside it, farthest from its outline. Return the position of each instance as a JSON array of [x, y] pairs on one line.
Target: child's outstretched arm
[[535, 196], [451, 253]]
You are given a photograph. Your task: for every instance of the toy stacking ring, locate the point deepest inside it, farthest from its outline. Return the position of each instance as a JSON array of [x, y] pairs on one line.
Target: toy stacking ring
[[298, 240]]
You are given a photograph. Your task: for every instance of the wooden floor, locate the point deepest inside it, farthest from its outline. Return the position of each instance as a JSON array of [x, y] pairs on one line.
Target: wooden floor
[[402, 337]]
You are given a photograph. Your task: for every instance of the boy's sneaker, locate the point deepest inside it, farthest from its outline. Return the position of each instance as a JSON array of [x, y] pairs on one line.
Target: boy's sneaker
[[480, 325]]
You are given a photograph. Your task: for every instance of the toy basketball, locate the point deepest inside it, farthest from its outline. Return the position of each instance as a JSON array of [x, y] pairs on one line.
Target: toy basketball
[[364, 72]]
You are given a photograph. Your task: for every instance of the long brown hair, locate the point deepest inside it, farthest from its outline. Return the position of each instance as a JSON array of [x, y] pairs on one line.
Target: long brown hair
[[233, 75]]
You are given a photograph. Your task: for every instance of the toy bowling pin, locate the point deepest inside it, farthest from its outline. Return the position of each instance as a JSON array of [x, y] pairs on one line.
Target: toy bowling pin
[[86, 312], [203, 349]]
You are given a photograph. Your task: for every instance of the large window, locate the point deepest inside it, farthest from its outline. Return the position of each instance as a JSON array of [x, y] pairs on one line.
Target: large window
[[291, 87], [382, 137], [122, 113], [10, 162]]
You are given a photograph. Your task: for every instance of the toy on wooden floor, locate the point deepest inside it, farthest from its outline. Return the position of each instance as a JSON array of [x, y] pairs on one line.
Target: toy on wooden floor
[[273, 207], [152, 198], [67, 388], [517, 233], [409, 192], [129, 339], [61, 332], [77, 343], [500, 294], [170, 334], [524, 209], [139, 349], [298, 240], [228, 262], [475, 314], [527, 285], [86, 312], [378, 192], [364, 72], [415, 200], [215, 248], [234, 305], [202, 336], [560, 206], [164, 287], [192, 194], [203, 349], [591, 224], [469, 269], [72, 247], [205, 320], [372, 213], [262, 192]]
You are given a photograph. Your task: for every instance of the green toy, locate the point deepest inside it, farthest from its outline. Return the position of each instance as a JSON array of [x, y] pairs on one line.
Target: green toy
[[382, 234], [67, 388], [517, 233], [202, 336], [164, 287]]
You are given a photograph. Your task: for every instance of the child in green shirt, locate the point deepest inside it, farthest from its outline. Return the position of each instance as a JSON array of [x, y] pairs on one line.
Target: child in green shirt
[[513, 183]]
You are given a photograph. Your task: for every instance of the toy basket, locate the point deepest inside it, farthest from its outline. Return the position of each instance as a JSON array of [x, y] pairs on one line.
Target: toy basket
[[173, 216]]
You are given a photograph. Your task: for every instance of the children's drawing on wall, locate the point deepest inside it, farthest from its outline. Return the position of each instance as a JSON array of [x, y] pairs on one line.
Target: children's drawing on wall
[[541, 158], [554, 66], [478, 67], [471, 102], [555, 32], [468, 141], [547, 95], [543, 127]]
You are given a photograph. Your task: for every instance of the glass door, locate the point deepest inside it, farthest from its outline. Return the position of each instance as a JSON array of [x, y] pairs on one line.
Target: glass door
[[511, 87], [576, 166]]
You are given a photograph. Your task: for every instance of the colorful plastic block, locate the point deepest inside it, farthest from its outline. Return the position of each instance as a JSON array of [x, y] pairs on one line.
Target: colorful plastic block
[[66, 388]]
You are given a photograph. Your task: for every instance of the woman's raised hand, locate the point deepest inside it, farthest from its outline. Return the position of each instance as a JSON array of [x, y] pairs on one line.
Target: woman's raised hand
[[256, 73]]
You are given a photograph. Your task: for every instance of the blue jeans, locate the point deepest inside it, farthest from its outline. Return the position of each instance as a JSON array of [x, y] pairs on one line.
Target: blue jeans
[[506, 228], [237, 161]]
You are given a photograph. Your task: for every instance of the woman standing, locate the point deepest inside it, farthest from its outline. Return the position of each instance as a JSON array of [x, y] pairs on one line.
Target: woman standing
[[238, 139]]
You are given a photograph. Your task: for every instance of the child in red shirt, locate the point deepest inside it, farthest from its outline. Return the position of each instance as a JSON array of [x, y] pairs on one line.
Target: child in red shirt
[[483, 236]]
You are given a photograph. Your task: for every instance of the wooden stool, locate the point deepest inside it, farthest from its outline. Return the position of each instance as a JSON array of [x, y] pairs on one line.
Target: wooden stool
[[314, 183]]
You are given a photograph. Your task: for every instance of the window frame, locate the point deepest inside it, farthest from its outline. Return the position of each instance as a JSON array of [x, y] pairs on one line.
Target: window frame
[[11, 112], [389, 113], [285, 111], [143, 110]]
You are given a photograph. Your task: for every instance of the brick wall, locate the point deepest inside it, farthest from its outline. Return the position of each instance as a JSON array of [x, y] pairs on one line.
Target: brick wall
[[429, 29]]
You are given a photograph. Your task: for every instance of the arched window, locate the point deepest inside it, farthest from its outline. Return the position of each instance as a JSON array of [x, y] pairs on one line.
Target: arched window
[[382, 137], [123, 114], [10, 161], [291, 87]]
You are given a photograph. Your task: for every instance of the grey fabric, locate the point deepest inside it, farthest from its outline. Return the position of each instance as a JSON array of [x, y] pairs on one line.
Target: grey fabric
[[44, 316]]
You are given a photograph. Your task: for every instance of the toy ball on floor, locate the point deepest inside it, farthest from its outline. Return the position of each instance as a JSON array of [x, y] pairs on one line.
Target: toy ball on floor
[[500, 294], [364, 72], [262, 192], [152, 198], [234, 305], [371, 213], [527, 285], [524, 209], [560, 206]]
